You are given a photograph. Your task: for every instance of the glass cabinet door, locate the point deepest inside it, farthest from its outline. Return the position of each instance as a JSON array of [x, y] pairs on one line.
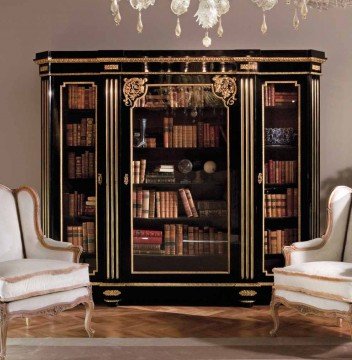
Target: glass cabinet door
[[184, 206], [78, 167], [281, 165]]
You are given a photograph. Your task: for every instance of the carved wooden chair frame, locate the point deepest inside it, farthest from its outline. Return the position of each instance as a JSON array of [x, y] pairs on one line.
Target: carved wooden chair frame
[[54, 309]]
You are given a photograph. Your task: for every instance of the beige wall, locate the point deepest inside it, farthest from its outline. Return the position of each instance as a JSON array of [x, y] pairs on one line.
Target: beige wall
[[27, 27]]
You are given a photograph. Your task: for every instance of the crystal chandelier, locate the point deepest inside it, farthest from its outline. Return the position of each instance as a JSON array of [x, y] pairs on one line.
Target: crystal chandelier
[[209, 12]]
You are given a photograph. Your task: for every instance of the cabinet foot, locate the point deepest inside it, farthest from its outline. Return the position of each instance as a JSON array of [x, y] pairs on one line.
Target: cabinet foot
[[112, 297]]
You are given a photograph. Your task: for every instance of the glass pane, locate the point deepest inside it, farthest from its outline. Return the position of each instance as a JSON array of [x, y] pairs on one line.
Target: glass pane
[[78, 168], [281, 143], [181, 170]]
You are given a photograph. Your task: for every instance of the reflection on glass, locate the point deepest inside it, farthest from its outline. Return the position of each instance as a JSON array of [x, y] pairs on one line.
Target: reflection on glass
[[281, 165], [78, 134], [180, 206]]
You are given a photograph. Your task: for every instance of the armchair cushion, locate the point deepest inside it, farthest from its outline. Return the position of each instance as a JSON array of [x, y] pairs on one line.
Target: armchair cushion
[[324, 279], [24, 278]]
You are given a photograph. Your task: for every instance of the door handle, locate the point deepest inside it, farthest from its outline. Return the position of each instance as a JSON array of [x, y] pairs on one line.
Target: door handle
[[100, 179], [126, 179], [260, 178]]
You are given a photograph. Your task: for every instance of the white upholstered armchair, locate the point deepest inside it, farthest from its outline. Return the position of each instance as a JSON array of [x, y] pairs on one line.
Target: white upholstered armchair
[[38, 276], [317, 278]]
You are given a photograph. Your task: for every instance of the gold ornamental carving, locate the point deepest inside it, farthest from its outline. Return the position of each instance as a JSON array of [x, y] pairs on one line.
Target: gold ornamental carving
[[111, 67], [225, 87], [133, 89], [112, 293], [251, 66], [248, 293]]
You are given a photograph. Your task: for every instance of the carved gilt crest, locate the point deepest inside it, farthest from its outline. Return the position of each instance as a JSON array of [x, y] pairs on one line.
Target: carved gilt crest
[[225, 87], [133, 89]]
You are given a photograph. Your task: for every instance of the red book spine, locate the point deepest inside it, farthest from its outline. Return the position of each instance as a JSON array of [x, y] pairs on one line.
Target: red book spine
[[147, 240], [148, 233]]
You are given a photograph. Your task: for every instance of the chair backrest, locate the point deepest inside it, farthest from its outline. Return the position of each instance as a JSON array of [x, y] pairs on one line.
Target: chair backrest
[[29, 215], [339, 228], [347, 251], [11, 247]]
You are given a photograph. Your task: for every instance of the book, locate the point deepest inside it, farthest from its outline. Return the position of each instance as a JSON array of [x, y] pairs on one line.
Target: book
[[147, 232], [158, 204], [145, 204], [147, 239], [185, 202], [152, 204], [172, 239], [81, 97], [143, 165], [139, 204], [191, 248], [179, 239], [136, 171], [167, 239], [134, 198], [191, 202]]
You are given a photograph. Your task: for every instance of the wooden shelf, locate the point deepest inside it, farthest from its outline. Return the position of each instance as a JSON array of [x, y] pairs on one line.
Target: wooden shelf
[[183, 108], [179, 185], [280, 186], [181, 218], [216, 221], [281, 147], [79, 179], [79, 111], [273, 256], [79, 147], [179, 148], [183, 256], [283, 106]]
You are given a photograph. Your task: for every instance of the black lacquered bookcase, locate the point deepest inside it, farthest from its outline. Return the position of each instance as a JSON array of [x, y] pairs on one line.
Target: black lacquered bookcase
[[182, 174]]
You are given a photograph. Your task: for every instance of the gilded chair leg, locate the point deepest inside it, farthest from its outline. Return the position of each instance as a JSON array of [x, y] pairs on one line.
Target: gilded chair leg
[[350, 327], [3, 331], [274, 309], [88, 320], [27, 321]]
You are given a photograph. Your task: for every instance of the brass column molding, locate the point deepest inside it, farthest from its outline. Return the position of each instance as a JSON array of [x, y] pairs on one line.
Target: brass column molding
[[45, 150], [315, 186], [247, 178], [112, 166]]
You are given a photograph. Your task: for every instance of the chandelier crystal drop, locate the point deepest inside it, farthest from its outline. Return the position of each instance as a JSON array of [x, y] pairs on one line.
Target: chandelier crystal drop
[[220, 29], [115, 10], [223, 7], [304, 9], [139, 23], [178, 29], [264, 27], [210, 12], [296, 20], [179, 7], [206, 40]]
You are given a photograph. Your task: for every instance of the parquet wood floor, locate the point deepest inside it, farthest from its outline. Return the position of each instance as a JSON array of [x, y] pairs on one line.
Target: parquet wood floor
[[180, 321]]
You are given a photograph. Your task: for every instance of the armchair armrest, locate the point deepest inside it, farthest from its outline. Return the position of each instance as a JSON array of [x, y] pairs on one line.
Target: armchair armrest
[[305, 251], [47, 248], [62, 250]]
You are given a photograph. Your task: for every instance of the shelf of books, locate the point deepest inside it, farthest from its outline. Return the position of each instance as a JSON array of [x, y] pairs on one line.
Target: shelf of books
[[180, 181], [78, 173], [281, 132]]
